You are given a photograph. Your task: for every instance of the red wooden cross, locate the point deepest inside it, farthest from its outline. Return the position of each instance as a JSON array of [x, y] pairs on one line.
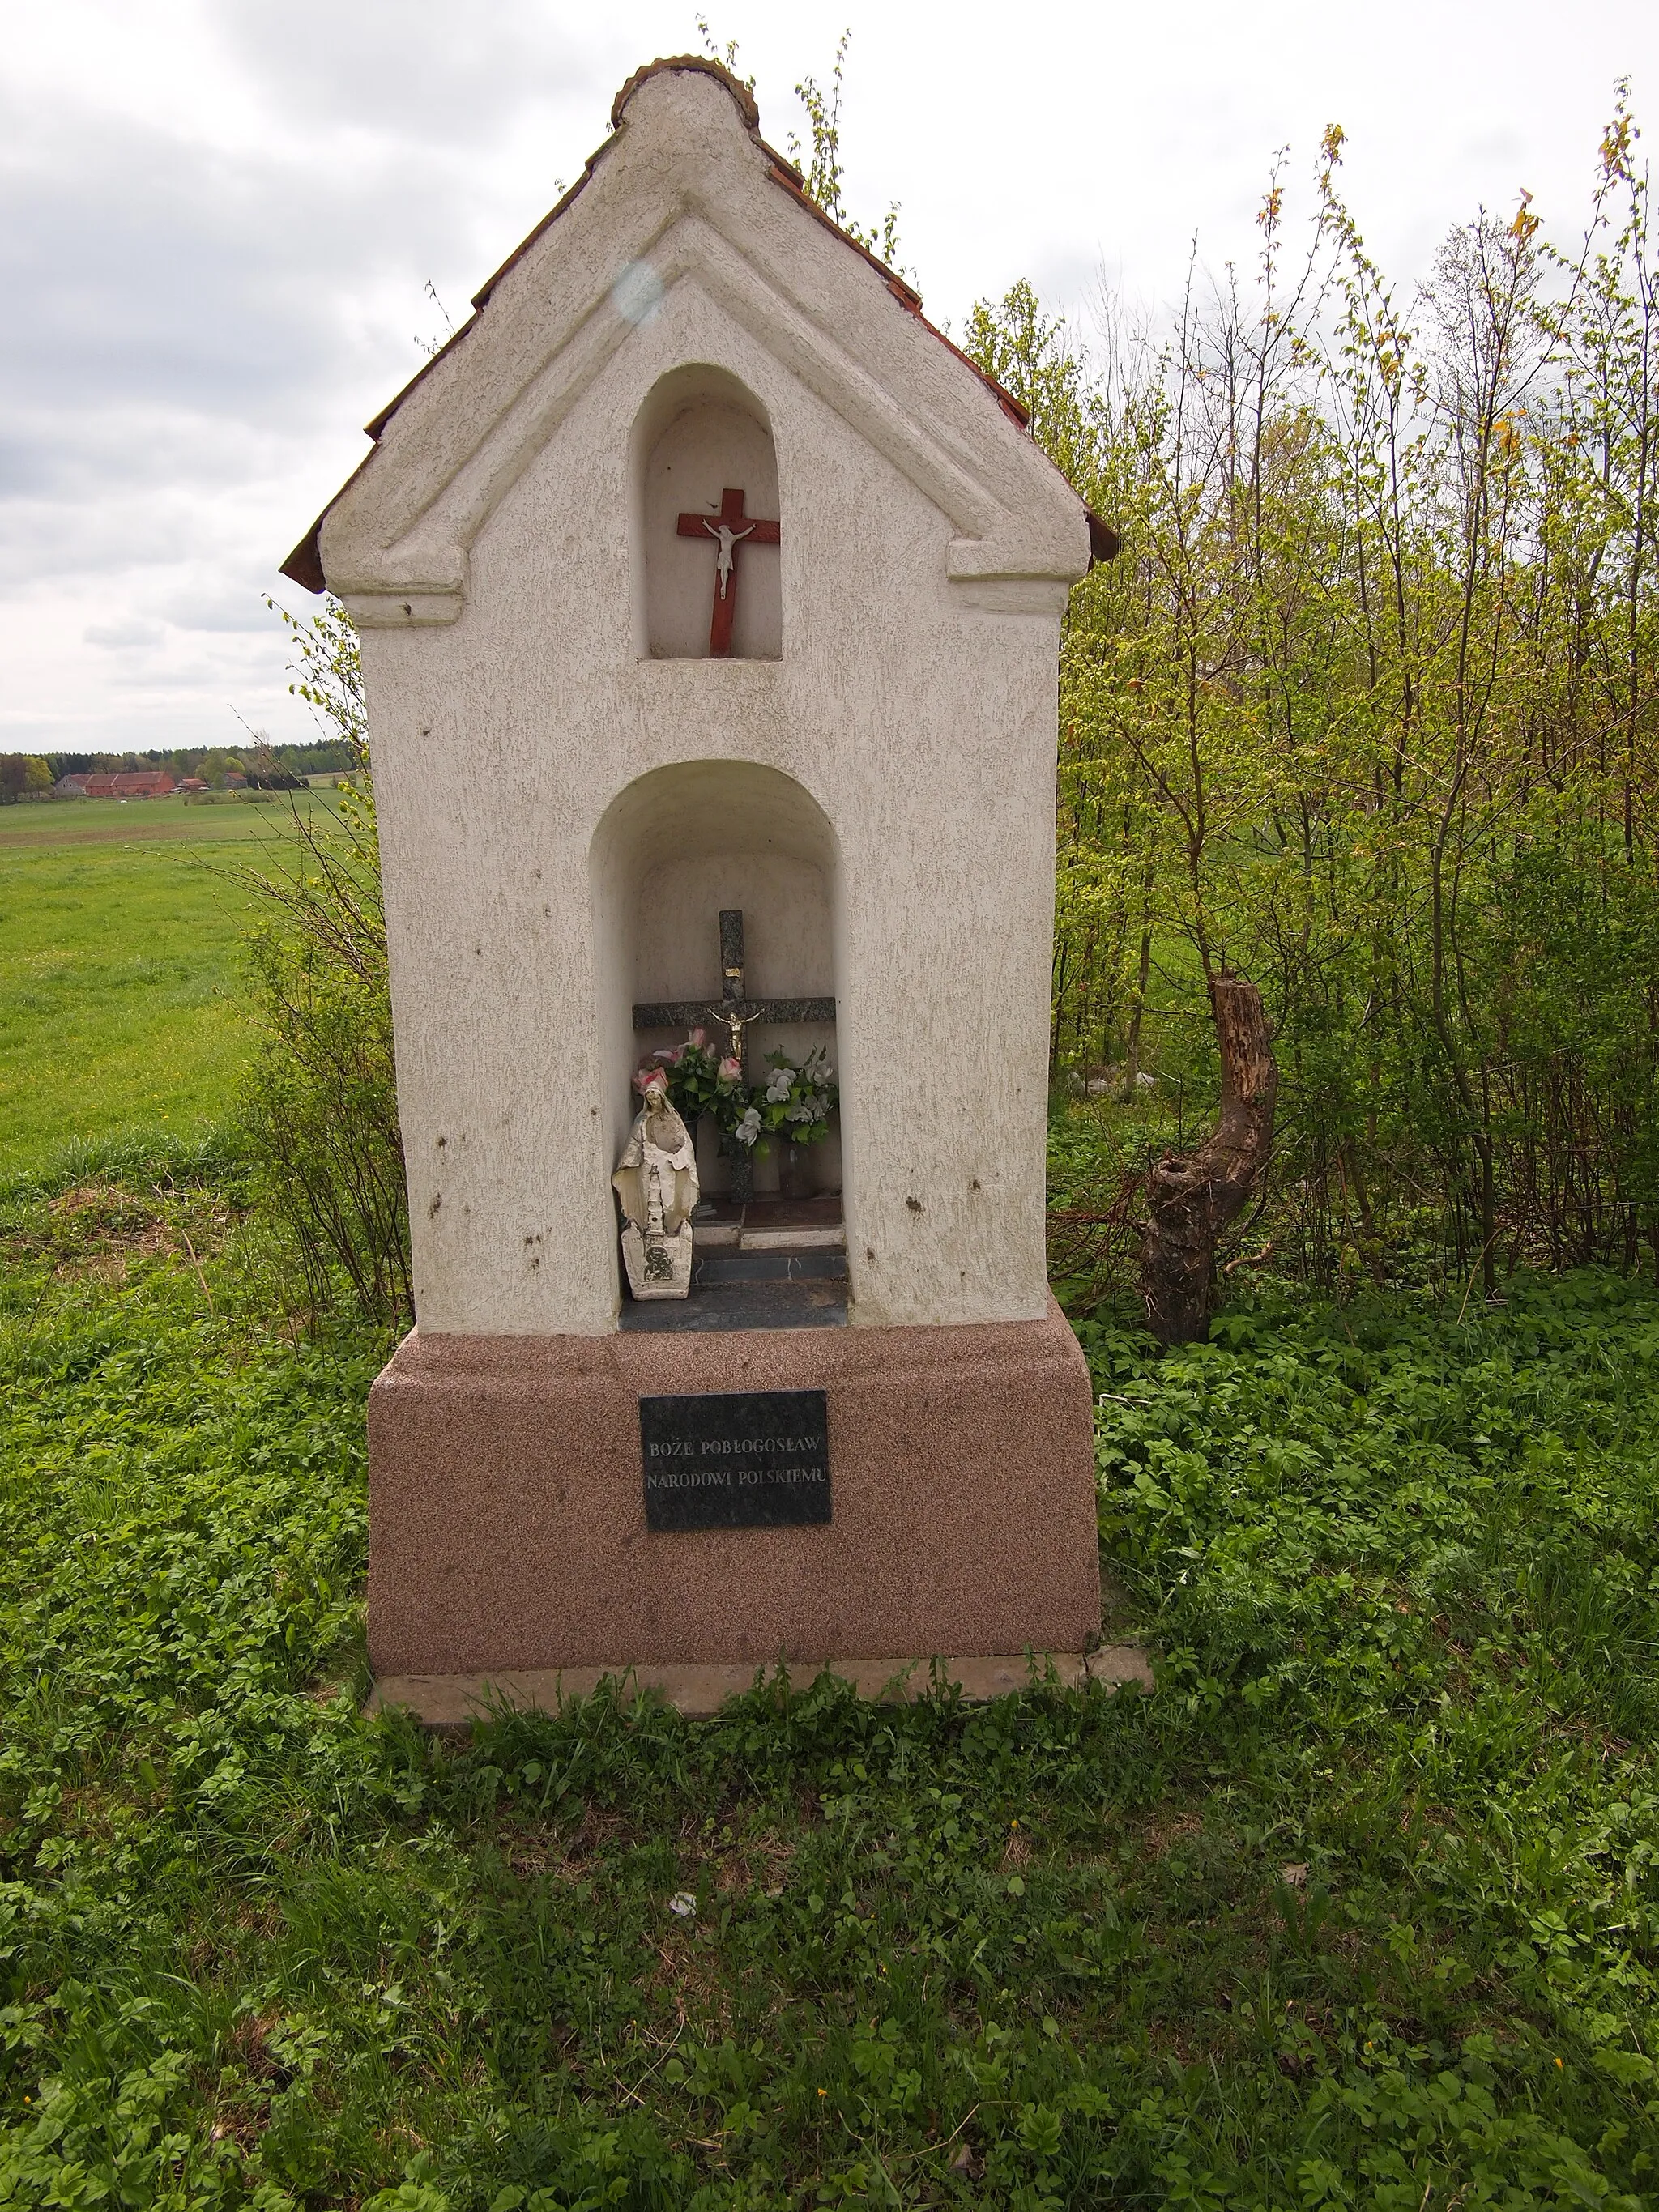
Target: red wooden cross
[[730, 529]]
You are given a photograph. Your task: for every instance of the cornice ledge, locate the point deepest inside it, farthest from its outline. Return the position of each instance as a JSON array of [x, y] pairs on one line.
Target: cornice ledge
[[393, 608], [1007, 558], [1014, 595]]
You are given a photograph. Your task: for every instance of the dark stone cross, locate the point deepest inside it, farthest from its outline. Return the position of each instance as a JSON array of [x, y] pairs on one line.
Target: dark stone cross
[[733, 1012], [730, 530]]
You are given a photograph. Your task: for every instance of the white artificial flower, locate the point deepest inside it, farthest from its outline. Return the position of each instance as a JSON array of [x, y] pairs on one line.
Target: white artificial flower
[[778, 1089]]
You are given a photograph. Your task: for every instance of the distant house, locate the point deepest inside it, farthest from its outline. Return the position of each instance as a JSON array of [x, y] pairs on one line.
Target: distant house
[[136, 783], [69, 787], [236, 783], [191, 783]]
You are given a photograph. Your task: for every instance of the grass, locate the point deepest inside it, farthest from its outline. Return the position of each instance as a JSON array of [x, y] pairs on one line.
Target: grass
[[120, 995], [1359, 1909]]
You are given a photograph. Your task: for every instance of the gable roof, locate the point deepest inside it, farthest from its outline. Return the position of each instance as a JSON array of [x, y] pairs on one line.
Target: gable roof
[[305, 564]]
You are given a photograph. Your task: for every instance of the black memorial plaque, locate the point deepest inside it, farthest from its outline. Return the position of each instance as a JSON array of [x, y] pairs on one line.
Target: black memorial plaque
[[740, 1459]]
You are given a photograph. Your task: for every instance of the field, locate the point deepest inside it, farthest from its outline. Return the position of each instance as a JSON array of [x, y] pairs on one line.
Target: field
[[1359, 1909], [120, 998]]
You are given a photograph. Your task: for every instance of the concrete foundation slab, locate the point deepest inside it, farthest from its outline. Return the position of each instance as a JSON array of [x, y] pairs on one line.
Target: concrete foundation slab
[[454, 1701]]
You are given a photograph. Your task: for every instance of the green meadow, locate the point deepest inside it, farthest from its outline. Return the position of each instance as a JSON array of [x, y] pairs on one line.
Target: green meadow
[[121, 1007]]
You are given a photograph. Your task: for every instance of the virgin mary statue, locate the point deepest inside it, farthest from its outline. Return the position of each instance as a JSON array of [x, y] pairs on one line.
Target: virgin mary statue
[[656, 1180]]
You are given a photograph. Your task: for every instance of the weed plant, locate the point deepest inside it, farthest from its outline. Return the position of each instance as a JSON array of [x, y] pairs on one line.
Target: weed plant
[[1358, 1909]]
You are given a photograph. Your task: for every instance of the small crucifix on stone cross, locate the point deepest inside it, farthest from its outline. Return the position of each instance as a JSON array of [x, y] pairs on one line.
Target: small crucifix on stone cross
[[731, 530], [733, 1012]]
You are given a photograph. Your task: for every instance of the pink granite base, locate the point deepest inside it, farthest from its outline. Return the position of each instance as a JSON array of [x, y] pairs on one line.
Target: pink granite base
[[507, 1510]]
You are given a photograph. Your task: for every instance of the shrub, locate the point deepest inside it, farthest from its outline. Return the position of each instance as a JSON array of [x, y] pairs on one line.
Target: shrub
[[320, 1105]]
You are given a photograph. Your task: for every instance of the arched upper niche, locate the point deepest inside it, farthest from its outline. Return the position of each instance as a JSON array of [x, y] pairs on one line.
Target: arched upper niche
[[672, 851], [699, 434]]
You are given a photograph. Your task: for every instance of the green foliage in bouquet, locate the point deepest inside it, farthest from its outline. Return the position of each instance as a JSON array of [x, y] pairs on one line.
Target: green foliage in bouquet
[[794, 1102], [701, 1081]]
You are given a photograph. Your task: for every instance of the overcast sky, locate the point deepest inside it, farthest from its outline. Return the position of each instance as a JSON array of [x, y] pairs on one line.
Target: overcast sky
[[220, 217]]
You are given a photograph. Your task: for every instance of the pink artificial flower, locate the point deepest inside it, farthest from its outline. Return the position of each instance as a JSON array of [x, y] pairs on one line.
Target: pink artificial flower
[[698, 1037], [730, 1070], [647, 1079]]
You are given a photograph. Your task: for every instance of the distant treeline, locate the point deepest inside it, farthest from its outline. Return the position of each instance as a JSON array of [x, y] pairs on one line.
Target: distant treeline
[[323, 756], [1367, 709]]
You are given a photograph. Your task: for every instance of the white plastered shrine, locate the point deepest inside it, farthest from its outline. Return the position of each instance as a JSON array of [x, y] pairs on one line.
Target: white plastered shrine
[[570, 788]]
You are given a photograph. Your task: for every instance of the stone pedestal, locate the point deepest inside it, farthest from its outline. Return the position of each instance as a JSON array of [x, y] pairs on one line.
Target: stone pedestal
[[507, 1509]]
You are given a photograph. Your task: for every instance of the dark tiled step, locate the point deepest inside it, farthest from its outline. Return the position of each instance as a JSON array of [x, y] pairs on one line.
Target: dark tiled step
[[770, 1212], [791, 1213], [728, 1266], [770, 1302]]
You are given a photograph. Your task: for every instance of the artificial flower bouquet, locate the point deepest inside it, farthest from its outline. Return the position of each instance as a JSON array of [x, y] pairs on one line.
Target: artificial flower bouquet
[[793, 1102], [701, 1081]]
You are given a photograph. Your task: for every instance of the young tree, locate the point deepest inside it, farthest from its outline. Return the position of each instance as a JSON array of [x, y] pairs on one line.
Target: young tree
[[1365, 712], [22, 775], [320, 1107]]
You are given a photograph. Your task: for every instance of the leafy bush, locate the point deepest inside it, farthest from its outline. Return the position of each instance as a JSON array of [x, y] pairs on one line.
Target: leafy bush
[[22, 775], [320, 1110], [1338, 497]]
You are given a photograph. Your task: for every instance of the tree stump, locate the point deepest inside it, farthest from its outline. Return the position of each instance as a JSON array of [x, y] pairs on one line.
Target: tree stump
[[1193, 1197]]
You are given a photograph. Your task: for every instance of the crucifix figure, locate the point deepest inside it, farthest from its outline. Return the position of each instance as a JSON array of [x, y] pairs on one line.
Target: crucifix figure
[[735, 1024], [728, 530], [736, 1013]]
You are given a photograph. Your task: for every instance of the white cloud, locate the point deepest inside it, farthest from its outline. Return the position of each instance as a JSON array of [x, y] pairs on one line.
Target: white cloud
[[217, 218], [122, 637]]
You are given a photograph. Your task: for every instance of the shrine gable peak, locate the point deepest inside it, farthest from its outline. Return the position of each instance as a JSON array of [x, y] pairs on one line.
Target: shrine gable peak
[[688, 245]]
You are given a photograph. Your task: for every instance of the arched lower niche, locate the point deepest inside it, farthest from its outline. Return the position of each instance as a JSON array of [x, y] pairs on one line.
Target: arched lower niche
[[700, 436], [675, 850]]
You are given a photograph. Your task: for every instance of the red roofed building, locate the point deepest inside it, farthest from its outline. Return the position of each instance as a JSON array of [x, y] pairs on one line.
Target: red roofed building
[[136, 783]]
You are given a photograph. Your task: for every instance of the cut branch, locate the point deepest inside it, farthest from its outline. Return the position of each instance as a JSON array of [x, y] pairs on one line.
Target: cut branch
[[1193, 1197]]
